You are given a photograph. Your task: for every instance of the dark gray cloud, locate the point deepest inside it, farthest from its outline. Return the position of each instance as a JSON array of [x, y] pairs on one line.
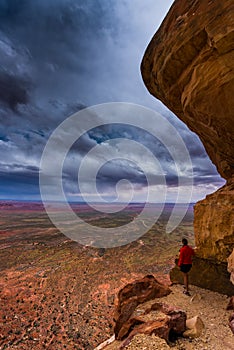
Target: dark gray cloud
[[13, 91], [19, 182], [64, 42], [58, 56]]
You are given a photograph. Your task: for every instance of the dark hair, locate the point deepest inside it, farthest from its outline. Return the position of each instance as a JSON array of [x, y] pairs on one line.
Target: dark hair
[[184, 241]]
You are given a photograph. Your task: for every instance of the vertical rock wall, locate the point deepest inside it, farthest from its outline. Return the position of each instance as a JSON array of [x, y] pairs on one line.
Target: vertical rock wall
[[213, 224], [188, 65]]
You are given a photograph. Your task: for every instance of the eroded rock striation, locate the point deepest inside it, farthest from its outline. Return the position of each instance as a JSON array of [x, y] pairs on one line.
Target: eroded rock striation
[[150, 318], [188, 65], [132, 295]]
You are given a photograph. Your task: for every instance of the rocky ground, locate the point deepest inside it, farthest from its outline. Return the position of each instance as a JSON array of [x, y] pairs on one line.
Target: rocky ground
[[210, 306]]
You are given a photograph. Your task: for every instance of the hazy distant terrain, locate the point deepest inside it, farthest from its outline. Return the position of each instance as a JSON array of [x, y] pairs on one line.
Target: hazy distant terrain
[[58, 294]]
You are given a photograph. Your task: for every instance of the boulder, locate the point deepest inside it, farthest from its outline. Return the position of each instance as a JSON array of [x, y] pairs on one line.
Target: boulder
[[195, 327], [160, 319], [134, 294]]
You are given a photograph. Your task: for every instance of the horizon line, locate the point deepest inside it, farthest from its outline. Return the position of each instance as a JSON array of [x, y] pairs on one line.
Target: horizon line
[[83, 202]]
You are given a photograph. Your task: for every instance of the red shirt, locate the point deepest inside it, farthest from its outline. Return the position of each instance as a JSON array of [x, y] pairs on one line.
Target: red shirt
[[186, 253]]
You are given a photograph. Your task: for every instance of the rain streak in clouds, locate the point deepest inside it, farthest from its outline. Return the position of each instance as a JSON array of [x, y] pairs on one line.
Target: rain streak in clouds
[[59, 56]]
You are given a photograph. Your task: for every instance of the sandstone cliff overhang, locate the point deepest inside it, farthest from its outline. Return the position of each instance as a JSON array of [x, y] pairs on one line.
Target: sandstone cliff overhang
[[188, 65]]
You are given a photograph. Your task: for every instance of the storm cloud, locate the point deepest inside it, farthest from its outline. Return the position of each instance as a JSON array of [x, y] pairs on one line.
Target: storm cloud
[[59, 56]]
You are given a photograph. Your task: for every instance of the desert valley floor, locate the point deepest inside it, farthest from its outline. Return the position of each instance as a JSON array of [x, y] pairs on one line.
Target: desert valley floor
[[58, 294]]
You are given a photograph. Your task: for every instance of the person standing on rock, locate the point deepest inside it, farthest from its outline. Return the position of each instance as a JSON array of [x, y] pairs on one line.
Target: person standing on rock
[[185, 263]]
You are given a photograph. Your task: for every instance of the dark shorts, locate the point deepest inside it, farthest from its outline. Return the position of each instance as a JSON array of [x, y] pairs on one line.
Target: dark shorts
[[185, 267]]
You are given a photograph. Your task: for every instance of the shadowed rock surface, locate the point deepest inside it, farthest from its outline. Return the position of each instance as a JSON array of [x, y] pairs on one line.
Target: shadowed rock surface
[[231, 323], [207, 274], [188, 65], [230, 305]]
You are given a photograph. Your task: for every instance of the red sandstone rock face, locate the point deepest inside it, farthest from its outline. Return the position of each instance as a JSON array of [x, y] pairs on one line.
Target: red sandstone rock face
[[132, 295], [150, 317], [188, 65], [213, 225]]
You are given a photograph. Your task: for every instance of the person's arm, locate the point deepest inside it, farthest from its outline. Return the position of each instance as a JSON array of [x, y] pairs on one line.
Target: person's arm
[[180, 262]]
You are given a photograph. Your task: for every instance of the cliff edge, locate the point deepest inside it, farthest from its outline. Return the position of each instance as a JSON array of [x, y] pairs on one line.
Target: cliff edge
[[188, 65]]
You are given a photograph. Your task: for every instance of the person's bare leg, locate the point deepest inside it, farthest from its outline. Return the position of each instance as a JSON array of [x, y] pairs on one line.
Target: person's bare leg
[[186, 281]]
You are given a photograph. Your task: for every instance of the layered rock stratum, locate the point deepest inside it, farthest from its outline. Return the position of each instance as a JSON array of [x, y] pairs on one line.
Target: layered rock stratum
[[188, 65]]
